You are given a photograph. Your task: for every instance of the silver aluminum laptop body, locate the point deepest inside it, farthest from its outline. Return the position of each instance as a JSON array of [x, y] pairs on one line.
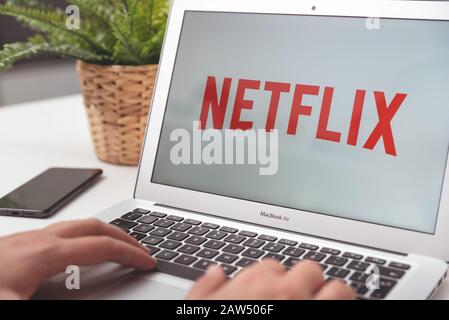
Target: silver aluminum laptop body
[[393, 241]]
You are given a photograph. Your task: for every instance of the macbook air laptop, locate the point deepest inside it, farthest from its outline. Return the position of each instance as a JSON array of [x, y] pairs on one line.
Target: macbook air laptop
[[293, 130]]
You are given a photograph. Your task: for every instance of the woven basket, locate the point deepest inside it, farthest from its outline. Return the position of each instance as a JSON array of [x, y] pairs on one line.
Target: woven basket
[[117, 100]]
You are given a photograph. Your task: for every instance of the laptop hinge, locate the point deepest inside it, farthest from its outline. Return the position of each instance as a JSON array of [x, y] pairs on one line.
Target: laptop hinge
[[283, 230]]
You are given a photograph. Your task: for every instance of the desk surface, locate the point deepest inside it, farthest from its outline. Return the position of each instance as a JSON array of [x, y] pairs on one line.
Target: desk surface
[[51, 133]]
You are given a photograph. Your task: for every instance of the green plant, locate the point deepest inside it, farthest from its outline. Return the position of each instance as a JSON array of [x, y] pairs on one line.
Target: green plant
[[122, 32]]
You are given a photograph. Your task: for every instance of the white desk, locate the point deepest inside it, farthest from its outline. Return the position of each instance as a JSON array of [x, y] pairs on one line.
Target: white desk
[[38, 135]]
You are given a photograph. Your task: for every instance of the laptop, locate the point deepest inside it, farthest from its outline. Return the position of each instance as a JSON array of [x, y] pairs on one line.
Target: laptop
[[293, 130]]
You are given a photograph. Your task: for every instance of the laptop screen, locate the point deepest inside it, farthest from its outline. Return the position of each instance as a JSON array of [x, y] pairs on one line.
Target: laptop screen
[[341, 116]]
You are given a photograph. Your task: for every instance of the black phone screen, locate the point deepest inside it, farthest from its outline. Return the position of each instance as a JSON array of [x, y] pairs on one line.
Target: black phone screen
[[48, 189]]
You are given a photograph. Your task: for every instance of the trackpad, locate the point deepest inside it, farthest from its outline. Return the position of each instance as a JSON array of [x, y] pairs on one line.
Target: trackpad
[[111, 281]]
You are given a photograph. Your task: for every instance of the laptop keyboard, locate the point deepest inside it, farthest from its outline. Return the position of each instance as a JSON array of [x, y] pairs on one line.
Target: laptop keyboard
[[187, 247]]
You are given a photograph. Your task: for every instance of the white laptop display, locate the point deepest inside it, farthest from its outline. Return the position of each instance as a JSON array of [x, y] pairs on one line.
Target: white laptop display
[[341, 112]]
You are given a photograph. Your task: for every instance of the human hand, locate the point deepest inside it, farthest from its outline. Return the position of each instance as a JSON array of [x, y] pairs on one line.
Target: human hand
[[269, 280], [28, 258]]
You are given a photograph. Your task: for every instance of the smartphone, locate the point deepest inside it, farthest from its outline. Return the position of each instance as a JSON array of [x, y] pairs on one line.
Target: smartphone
[[43, 195]]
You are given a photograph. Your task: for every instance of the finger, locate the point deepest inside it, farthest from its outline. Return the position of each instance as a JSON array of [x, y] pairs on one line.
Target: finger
[[95, 250], [264, 267], [90, 227], [8, 295], [335, 290], [257, 281], [208, 283], [305, 278]]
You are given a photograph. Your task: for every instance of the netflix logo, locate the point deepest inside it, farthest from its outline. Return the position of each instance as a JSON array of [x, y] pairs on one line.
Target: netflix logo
[[216, 105]]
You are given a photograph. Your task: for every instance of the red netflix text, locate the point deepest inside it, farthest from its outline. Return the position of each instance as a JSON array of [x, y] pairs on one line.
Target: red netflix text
[[217, 103]]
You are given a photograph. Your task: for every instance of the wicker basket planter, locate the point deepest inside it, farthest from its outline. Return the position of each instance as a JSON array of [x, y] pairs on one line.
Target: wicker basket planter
[[117, 100]]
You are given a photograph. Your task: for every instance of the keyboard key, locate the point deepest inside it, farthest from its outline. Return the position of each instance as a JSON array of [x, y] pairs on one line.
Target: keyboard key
[[253, 253], [375, 260], [170, 244], [323, 266], [195, 240], [288, 242], [228, 229], [189, 249], [290, 262], [178, 236], [207, 253], [267, 238], [386, 286], [217, 235], [214, 244], [359, 288], [232, 238], [124, 224], [338, 272], [125, 230], [204, 264], [399, 265], [151, 240], [308, 246], [294, 252], [160, 232], [248, 234], [314, 256], [233, 248], [131, 216], [143, 228], [387, 283], [273, 247], [244, 262], [336, 261], [330, 251], [275, 256], [158, 214], [379, 294], [163, 223], [228, 270], [179, 270], [166, 255], [253, 243], [153, 250], [147, 219], [141, 211], [199, 231], [354, 256], [210, 225], [192, 222], [358, 265], [137, 235], [359, 277], [174, 218], [185, 259], [226, 258], [182, 227], [391, 273]]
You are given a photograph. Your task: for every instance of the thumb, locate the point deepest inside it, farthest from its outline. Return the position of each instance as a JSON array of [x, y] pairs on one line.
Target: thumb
[[207, 284]]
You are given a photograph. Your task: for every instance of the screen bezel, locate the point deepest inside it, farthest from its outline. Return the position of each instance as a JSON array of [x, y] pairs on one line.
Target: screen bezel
[[383, 237]]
